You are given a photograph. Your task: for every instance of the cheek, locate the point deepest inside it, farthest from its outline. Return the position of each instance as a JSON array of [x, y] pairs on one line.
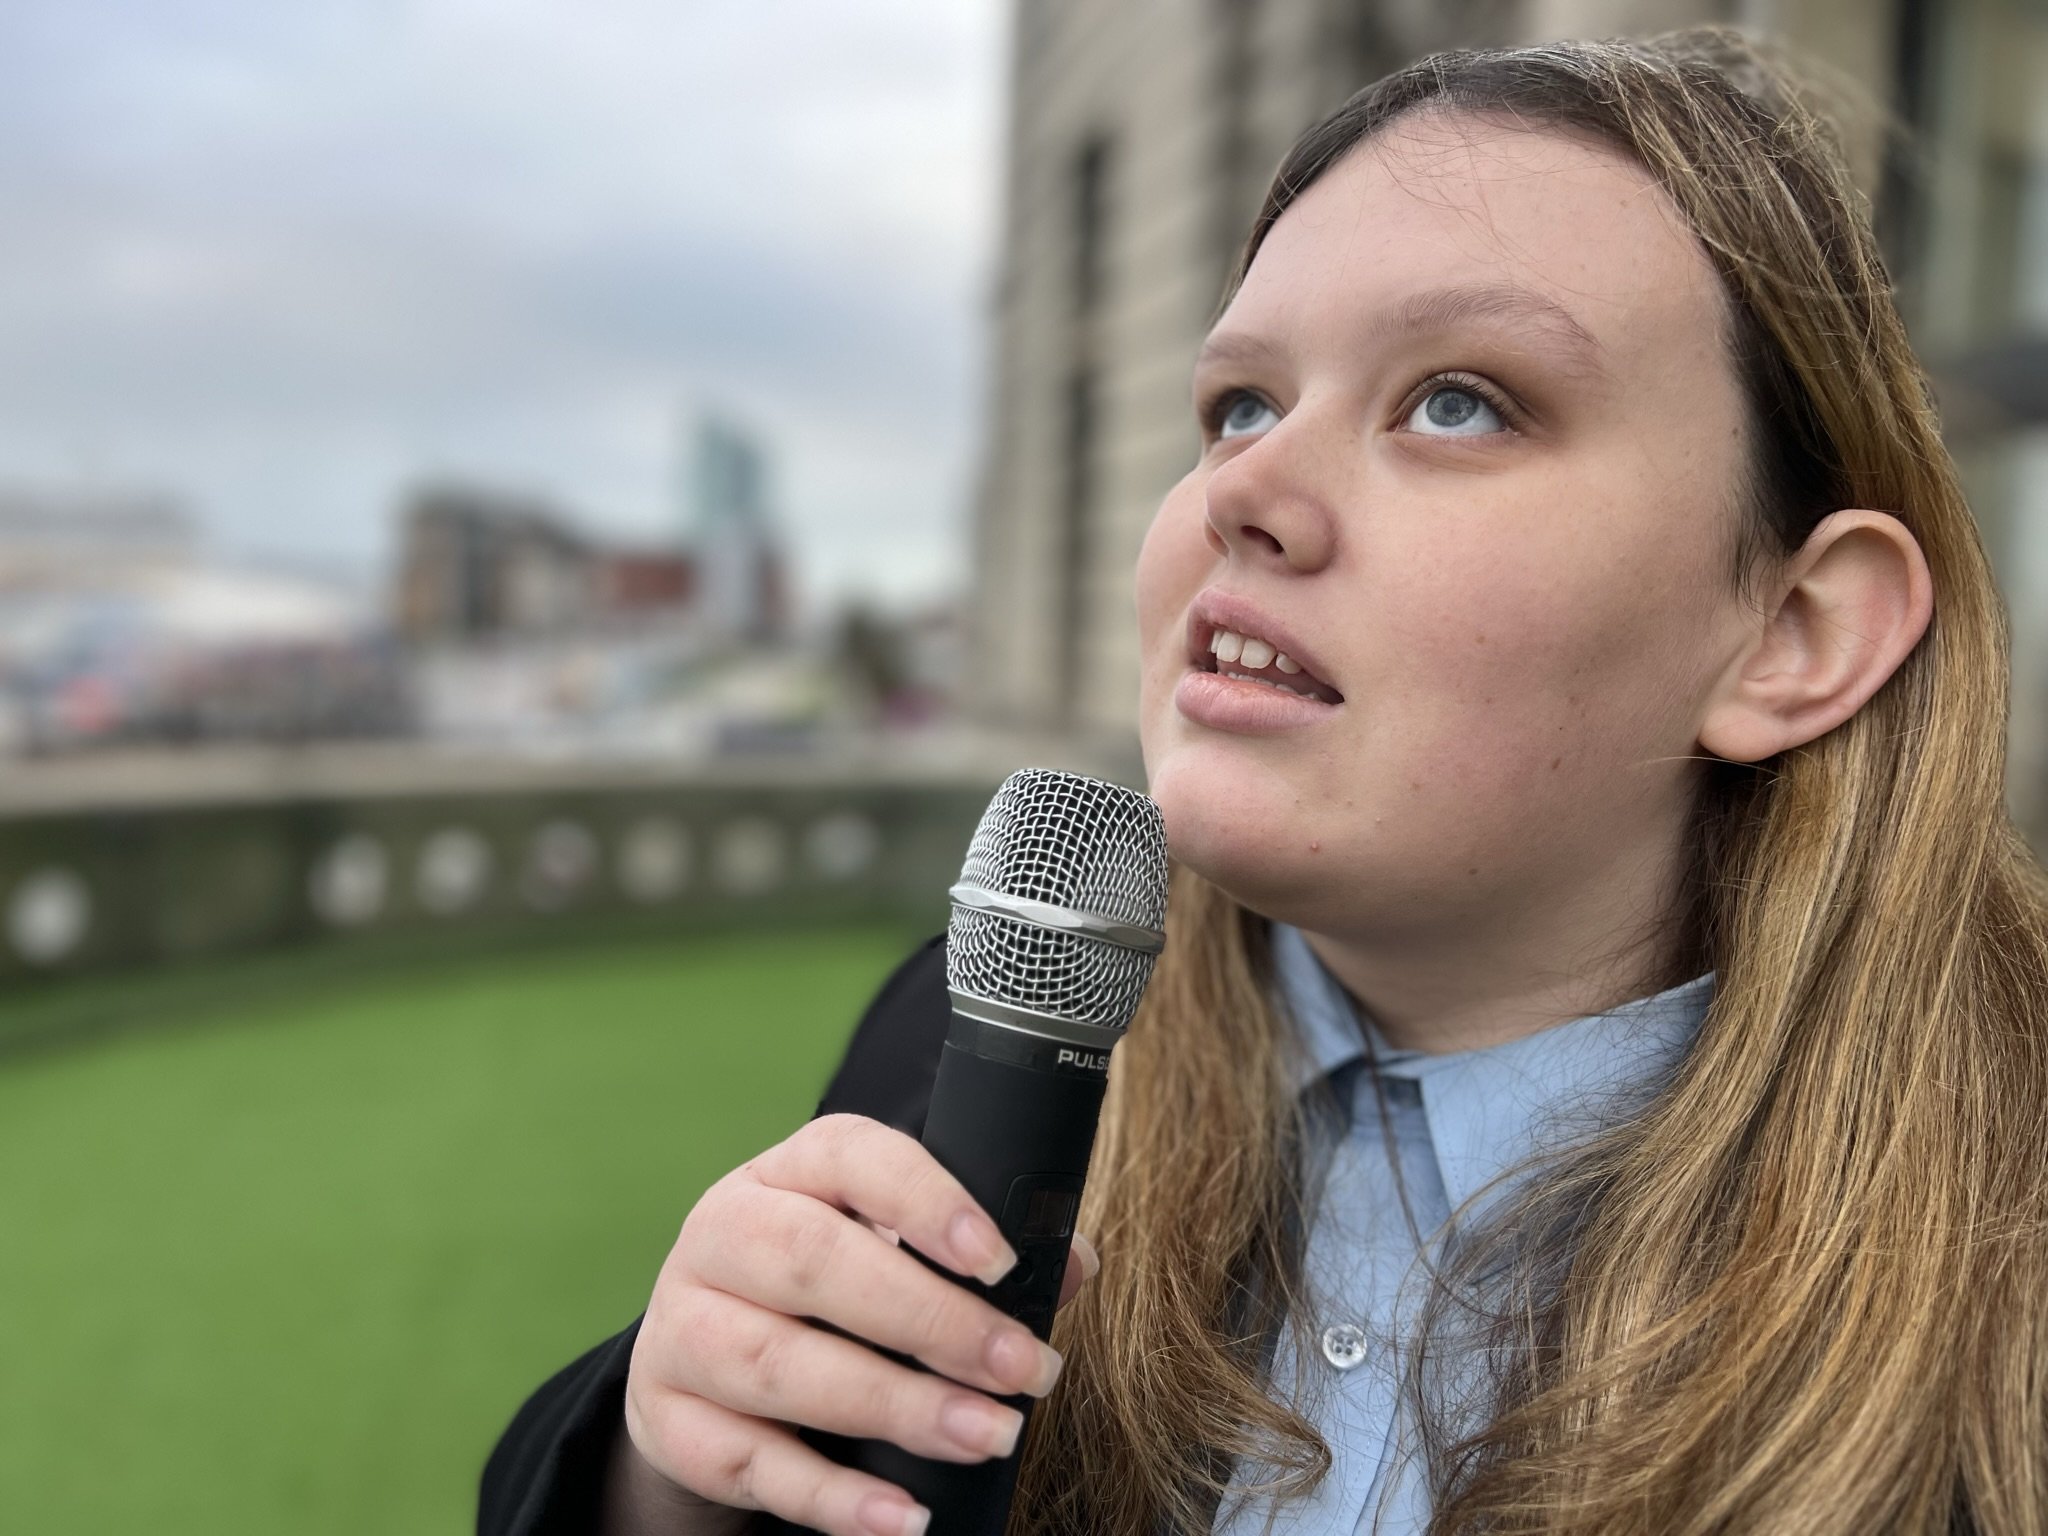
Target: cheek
[[1171, 564], [1525, 663]]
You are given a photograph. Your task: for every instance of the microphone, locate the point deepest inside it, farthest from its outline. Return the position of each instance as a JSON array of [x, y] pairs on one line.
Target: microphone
[[1058, 919]]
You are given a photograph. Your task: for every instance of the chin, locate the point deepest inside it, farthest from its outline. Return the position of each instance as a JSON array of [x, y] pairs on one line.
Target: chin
[[1242, 836]]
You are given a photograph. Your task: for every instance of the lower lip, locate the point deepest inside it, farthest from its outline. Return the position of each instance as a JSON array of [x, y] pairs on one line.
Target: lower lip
[[1227, 704]]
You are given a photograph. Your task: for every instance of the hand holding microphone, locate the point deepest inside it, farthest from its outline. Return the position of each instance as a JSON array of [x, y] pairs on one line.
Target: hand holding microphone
[[789, 1300], [728, 1361]]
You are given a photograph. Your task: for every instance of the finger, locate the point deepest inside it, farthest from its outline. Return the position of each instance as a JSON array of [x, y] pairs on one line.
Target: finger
[[757, 1361], [750, 1463], [874, 1170], [887, 1234], [805, 1259], [1083, 1265]]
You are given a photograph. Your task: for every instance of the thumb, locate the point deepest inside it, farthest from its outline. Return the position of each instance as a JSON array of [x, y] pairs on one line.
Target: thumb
[[1083, 1264]]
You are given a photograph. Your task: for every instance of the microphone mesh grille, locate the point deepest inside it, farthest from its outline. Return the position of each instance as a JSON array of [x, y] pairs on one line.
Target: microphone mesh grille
[[1070, 841]]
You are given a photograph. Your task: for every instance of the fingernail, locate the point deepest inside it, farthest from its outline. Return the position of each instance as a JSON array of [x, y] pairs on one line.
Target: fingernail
[[885, 1516], [981, 1426], [1091, 1261], [1019, 1356], [1049, 1363], [981, 1248]]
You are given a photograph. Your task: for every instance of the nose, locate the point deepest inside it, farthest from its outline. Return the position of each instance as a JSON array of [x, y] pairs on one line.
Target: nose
[[1264, 506]]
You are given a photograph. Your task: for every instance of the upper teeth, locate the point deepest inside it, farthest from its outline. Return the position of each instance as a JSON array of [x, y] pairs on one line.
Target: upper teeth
[[1229, 645]]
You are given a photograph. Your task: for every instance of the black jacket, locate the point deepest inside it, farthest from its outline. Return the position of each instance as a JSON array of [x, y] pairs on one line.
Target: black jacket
[[546, 1475]]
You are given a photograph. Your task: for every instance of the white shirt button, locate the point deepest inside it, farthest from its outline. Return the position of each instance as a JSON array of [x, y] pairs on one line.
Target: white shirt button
[[1344, 1345]]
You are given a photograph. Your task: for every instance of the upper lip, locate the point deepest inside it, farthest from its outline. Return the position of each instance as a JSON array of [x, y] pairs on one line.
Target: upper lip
[[1214, 609]]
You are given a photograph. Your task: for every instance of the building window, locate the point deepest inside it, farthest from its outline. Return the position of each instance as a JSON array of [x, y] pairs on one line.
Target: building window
[[1091, 216], [1079, 428], [1236, 198], [1077, 495]]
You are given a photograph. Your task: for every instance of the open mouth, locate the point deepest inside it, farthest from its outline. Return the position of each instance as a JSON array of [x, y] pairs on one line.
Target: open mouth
[[1253, 660]]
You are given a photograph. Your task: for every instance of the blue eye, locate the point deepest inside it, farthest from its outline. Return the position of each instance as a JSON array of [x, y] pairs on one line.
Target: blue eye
[[1452, 410], [1245, 413]]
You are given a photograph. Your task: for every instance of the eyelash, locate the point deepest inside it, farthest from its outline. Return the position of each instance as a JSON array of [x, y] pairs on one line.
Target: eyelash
[[1217, 406]]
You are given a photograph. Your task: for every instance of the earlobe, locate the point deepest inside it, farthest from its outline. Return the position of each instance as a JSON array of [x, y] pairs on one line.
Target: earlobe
[[1848, 609]]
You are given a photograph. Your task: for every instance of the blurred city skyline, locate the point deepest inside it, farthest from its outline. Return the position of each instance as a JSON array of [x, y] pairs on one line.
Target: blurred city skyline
[[282, 265]]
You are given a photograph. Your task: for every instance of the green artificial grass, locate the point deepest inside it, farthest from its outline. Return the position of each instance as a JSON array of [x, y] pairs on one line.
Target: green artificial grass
[[293, 1267]]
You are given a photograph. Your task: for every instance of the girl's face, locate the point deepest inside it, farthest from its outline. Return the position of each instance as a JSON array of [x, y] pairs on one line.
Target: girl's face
[[1470, 449]]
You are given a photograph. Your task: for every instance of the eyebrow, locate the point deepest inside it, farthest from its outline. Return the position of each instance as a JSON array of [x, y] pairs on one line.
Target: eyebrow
[[1442, 309]]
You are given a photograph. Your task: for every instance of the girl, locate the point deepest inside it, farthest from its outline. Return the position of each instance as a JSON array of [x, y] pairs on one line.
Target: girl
[[1594, 1080]]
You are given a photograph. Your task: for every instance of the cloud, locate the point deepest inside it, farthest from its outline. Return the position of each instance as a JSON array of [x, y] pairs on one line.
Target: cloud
[[286, 258]]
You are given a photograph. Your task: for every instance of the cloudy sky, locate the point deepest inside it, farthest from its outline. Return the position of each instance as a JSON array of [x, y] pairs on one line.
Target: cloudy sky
[[286, 259]]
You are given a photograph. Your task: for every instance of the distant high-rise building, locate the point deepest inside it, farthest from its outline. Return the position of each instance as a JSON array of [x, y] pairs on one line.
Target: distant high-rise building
[[742, 589]]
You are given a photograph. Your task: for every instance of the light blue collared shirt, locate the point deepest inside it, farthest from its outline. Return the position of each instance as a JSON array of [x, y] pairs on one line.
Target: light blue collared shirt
[[1458, 1121]]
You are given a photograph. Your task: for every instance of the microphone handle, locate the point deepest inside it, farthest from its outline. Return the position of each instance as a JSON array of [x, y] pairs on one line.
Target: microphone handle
[[1013, 1118]]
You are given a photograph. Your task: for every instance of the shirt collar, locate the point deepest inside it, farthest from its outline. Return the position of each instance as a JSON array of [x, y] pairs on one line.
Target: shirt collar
[[1491, 1108]]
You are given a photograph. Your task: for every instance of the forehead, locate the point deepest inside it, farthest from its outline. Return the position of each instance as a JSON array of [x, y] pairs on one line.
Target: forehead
[[1440, 200]]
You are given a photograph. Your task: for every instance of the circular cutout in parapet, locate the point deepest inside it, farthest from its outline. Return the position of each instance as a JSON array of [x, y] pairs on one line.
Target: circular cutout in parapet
[[842, 845], [454, 867], [750, 855], [654, 859], [349, 882], [560, 864], [48, 915]]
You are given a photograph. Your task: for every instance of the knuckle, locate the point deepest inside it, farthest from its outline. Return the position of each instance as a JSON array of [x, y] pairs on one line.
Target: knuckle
[[713, 1211], [836, 1135], [909, 1405], [639, 1425], [742, 1471], [934, 1318], [931, 1191], [764, 1358], [812, 1248], [815, 1505], [690, 1345], [680, 1312], [889, 1146], [694, 1446], [722, 1466], [807, 1155], [770, 1164]]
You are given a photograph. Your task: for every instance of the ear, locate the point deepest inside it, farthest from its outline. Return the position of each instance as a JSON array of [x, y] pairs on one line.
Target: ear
[[1845, 611]]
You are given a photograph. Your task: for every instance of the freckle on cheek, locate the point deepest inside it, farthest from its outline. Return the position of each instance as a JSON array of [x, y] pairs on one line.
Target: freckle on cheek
[[1554, 762]]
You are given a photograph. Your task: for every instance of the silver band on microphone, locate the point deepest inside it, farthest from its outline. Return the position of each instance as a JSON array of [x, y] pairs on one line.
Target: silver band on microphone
[[1064, 1031], [1043, 914]]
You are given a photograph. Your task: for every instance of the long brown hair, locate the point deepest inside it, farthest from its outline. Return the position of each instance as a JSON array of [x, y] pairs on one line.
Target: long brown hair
[[1806, 1289]]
